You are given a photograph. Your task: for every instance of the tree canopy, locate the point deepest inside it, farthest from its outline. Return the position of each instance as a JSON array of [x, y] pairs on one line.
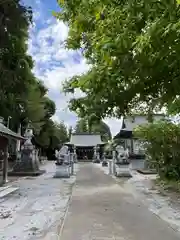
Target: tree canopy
[[22, 95], [134, 52], [81, 126], [97, 127]]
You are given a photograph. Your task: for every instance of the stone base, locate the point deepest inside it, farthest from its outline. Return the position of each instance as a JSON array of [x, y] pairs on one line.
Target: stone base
[[104, 164], [24, 174], [96, 161], [123, 171], [5, 191], [62, 171], [147, 171]]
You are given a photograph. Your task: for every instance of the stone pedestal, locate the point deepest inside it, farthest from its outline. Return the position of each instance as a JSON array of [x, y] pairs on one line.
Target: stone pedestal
[[145, 168], [28, 164], [122, 170], [62, 171]]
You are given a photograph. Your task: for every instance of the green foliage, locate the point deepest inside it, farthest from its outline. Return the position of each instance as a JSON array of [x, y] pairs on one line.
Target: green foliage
[[15, 63], [103, 129], [70, 130], [133, 48], [52, 135], [35, 111], [62, 133], [89, 125], [81, 126], [22, 96], [163, 147], [168, 185]]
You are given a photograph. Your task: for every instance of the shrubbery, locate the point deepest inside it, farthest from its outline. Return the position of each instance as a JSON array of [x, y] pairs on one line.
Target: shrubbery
[[162, 147]]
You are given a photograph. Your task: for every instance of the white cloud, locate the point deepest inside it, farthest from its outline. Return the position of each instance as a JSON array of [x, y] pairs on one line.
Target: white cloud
[[54, 64], [115, 125], [47, 48]]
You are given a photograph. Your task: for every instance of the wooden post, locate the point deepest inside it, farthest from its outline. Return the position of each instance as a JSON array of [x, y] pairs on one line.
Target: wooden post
[[5, 165]]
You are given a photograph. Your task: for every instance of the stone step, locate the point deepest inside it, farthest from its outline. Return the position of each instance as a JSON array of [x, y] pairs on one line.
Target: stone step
[[4, 191], [4, 188]]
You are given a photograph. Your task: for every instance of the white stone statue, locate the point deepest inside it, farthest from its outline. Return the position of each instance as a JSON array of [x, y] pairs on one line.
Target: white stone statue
[[123, 154], [120, 151], [64, 150], [28, 135], [63, 155]]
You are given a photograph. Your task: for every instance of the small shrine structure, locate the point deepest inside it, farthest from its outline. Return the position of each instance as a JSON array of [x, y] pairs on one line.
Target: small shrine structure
[[5, 135]]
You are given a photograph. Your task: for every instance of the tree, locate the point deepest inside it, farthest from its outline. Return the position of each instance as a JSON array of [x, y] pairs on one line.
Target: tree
[[62, 133], [22, 95], [81, 126], [86, 125], [162, 147], [70, 130], [35, 109], [134, 52], [15, 63], [103, 129]]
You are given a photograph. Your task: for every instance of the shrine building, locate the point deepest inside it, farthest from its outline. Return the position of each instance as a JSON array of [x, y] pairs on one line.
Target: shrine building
[[85, 144]]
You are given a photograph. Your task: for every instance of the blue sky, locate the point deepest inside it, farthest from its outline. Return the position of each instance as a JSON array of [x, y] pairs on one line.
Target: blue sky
[[53, 63]]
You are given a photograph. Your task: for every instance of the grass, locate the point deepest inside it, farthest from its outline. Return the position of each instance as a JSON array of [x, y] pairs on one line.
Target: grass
[[168, 185]]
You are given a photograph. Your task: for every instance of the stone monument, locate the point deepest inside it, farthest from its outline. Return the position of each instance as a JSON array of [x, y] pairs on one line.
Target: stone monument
[[28, 163]]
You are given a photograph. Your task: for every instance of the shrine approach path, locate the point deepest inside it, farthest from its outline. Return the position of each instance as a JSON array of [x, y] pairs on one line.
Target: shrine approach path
[[101, 209]]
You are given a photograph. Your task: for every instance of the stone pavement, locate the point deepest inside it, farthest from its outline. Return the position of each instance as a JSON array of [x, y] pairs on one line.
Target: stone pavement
[[102, 210]]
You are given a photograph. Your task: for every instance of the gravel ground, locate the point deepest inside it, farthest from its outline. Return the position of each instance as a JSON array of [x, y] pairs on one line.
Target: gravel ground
[[37, 209]]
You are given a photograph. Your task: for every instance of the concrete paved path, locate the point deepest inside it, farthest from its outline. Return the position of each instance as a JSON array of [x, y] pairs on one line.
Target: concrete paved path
[[102, 210]]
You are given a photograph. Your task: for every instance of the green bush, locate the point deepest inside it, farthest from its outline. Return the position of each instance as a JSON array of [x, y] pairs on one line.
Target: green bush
[[162, 147]]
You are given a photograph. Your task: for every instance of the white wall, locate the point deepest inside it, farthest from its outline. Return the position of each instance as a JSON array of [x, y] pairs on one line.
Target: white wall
[[132, 122]]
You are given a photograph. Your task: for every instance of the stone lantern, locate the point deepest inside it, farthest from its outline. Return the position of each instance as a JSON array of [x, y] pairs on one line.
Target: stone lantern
[[29, 162]]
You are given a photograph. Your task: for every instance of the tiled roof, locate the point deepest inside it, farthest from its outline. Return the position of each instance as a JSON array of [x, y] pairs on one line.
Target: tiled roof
[[132, 122], [84, 140], [8, 133]]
